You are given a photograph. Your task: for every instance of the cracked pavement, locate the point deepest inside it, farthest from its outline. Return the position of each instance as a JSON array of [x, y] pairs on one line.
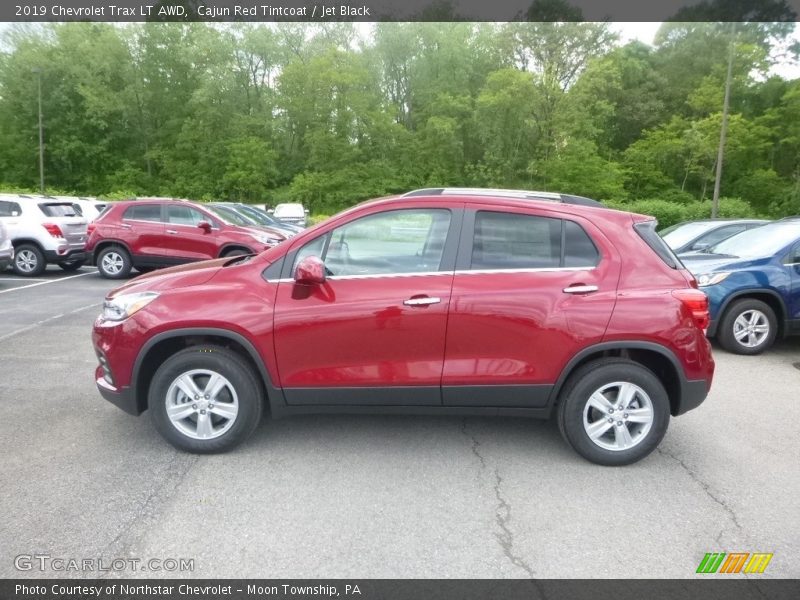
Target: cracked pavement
[[382, 497]]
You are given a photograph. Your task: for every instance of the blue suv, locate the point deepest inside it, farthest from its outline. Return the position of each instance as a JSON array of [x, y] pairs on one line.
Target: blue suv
[[753, 285]]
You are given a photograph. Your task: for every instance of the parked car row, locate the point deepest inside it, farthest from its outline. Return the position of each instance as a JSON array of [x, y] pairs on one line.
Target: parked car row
[[143, 234], [750, 271]]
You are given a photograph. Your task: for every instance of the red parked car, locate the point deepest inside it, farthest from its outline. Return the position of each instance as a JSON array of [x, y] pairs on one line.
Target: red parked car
[[434, 304], [152, 232]]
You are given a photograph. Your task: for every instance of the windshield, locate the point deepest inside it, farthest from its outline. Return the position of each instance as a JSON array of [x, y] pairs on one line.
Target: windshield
[[258, 216], [759, 242], [231, 217], [678, 235], [58, 209]]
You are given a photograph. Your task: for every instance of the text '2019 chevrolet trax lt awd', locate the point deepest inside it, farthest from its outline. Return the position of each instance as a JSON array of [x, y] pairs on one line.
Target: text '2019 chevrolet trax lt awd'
[[429, 304]]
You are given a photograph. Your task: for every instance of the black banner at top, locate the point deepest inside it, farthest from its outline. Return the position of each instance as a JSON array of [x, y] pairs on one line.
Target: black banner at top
[[398, 10]]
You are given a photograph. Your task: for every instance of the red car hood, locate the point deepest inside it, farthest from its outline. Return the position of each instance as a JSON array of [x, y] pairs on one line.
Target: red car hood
[[174, 277]]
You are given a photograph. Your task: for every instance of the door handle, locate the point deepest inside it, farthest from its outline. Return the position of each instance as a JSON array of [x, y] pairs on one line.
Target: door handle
[[124, 225], [421, 301], [172, 231], [580, 289]]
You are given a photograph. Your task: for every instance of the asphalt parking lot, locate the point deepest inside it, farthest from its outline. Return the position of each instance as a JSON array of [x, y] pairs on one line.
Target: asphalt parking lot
[[377, 497]]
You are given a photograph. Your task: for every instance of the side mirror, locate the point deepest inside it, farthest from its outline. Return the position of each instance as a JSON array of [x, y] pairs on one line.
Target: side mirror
[[205, 226], [270, 211], [310, 271]]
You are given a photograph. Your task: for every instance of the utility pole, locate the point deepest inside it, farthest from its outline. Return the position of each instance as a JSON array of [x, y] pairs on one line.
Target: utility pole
[[38, 72], [724, 128]]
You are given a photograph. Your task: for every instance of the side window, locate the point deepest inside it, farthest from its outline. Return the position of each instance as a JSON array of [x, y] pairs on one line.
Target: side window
[[514, 241], [9, 209], [398, 241], [718, 235], [144, 212], [579, 250], [184, 215], [793, 258]]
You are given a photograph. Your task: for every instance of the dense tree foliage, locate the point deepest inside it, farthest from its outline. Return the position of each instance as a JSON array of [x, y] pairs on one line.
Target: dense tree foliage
[[330, 115]]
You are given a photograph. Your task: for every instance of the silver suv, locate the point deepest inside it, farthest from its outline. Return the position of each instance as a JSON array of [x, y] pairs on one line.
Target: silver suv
[[6, 248], [43, 230]]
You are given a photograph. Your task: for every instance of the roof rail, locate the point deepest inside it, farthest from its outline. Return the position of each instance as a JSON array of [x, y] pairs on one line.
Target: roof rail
[[503, 193]]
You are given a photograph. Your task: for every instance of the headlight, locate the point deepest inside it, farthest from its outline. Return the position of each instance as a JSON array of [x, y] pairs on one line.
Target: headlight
[[264, 239], [121, 307], [711, 279]]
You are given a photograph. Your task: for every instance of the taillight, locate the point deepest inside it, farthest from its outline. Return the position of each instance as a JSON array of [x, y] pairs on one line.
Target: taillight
[[697, 303], [90, 229], [53, 230]]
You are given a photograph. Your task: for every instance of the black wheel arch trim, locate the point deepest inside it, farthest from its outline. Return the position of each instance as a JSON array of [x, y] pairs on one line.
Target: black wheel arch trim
[[274, 395], [781, 318], [235, 246], [687, 389]]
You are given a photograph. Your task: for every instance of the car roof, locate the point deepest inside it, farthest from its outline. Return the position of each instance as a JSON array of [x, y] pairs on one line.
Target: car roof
[[504, 193]]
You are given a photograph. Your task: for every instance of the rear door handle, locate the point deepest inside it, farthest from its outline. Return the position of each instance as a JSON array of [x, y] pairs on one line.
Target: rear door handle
[[421, 301], [172, 231], [580, 289], [124, 225]]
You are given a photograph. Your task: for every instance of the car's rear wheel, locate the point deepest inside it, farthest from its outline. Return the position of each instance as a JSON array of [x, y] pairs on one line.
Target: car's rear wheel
[[71, 265], [29, 260], [205, 399], [613, 412], [748, 327], [114, 262]]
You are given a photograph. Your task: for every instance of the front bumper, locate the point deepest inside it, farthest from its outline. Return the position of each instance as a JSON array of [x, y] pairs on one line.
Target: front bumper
[[123, 398]]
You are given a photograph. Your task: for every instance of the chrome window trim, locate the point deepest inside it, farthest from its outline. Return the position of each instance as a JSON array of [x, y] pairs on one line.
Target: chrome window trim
[[457, 272]]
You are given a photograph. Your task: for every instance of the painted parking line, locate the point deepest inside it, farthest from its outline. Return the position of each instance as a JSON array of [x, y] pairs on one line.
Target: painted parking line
[[25, 287], [47, 320]]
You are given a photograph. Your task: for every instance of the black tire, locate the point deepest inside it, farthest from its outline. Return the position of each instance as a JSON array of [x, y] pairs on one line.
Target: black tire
[[592, 378], [29, 260], [728, 327], [72, 265], [239, 375], [114, 262], [235, 252]]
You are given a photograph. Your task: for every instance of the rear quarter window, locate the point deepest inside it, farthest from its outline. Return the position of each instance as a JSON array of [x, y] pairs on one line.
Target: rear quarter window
[[647, 231]]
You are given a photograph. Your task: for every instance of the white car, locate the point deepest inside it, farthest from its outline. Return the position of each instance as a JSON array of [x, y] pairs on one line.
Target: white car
[[43, 230], [291, 213], [6, 248], [89, 208]]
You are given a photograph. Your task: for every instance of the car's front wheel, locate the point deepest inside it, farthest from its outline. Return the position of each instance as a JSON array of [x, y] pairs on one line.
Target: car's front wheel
[[748, 327], [613, 412], [205, 399]]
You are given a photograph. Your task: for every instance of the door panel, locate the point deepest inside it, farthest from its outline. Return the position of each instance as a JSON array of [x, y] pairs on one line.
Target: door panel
[[378, 321], [514, 326], [183, 239]]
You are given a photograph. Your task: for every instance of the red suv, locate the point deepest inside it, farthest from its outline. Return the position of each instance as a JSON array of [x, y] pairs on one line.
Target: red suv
[[151, 233], [439, 303]]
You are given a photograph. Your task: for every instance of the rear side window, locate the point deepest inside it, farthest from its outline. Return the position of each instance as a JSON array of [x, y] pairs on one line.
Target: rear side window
[[9, 209], [514, 241], [143, 212], [647, 231], [58, 209]]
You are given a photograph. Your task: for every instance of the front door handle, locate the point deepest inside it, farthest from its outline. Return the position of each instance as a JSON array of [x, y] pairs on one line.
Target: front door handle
[[580, 289], [425, 301]]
